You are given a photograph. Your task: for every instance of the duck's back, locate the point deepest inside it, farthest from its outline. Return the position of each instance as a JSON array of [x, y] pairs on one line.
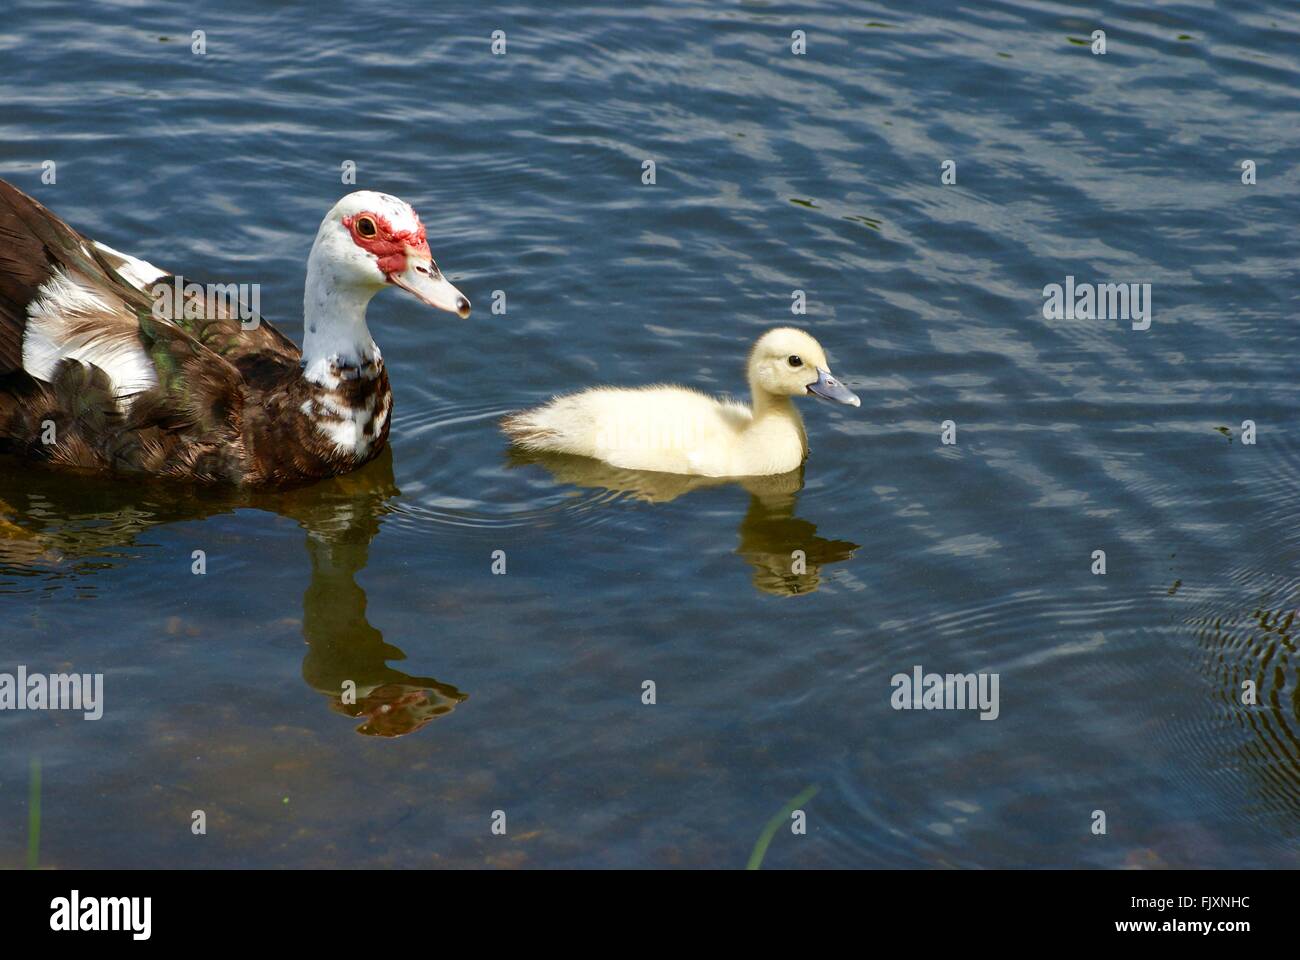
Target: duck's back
[[92, 377], [666, 428]]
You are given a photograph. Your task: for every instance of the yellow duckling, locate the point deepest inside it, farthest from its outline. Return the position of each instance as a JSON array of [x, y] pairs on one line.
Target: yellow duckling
[[679, 430]]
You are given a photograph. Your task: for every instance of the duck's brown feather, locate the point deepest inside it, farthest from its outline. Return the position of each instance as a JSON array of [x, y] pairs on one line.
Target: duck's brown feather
[[230, 397]]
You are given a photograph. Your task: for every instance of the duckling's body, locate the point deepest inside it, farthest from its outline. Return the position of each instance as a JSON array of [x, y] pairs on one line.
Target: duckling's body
[[667, 428], [678, 430]]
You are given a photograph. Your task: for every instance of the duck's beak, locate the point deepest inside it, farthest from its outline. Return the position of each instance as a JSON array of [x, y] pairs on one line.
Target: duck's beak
[[828, 388], [424, 281]]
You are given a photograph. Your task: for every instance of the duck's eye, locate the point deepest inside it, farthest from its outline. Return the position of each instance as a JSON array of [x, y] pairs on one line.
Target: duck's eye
[[366, 227], [796, 361]]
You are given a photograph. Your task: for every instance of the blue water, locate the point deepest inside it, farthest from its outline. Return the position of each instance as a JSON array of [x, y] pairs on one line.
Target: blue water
[[821, 172]]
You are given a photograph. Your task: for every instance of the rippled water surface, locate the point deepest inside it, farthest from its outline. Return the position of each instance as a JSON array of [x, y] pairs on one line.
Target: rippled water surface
[[774, 172]]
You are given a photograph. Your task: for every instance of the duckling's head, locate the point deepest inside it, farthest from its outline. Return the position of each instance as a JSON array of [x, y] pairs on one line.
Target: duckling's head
[[787, 362], [369, 240]]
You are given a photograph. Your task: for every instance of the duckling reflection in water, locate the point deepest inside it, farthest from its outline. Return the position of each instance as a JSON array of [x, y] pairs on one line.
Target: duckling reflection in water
[[1248, 653], [785, 551], [51, 523]]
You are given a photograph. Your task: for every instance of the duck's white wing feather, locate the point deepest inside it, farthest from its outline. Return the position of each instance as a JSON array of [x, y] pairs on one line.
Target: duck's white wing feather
[[139, 273], [71, 320]]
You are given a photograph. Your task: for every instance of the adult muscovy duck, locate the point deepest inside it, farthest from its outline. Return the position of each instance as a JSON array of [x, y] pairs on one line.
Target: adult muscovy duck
[[102, 369]]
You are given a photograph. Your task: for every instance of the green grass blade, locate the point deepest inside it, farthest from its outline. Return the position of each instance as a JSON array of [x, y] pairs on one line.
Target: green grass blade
[[775, 824], [34, 815]]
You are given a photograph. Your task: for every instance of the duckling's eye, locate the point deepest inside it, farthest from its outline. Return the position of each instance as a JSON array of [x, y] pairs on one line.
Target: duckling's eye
[[366, 227], [796, 361]]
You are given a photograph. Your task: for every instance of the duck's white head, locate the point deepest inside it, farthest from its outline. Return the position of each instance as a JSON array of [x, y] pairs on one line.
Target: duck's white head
[[370, 240], [787, 362]]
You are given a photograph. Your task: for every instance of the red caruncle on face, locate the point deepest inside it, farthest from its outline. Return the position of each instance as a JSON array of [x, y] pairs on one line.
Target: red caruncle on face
[[386, 243]]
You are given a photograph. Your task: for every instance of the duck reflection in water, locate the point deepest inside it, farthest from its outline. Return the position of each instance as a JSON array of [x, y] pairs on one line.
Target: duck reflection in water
[[785, 551], [347, 658], [53, 524]]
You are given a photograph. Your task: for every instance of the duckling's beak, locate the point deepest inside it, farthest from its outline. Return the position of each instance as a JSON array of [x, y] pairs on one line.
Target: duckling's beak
[[424, 281], [828, 388]]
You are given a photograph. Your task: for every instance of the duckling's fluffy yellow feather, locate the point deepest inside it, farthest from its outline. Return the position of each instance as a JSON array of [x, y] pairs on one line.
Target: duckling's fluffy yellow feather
[[675, 429], [667, 428]]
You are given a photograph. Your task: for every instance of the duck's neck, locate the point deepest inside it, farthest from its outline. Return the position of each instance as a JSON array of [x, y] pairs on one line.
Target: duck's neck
[[334, 320], [774, 413]]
